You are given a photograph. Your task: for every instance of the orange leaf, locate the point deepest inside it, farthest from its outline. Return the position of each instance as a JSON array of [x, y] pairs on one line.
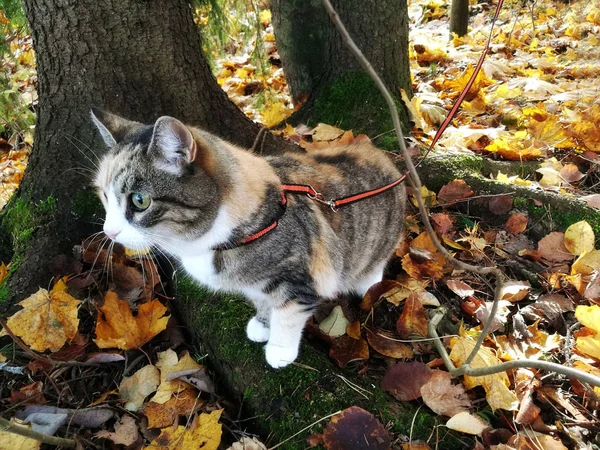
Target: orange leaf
[[346, 349], [412, 321], [516, 223], [388, 345], [117, 327], [454, 191]]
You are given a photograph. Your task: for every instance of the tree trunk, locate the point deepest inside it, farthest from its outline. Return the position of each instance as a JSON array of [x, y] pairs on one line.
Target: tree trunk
[[459, 17], [322, 72], [138, 59]]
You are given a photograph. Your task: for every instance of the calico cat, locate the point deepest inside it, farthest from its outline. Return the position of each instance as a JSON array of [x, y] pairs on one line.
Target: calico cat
[[200, 199]]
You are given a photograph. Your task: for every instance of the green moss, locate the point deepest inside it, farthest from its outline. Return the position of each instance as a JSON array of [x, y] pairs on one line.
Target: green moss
[[354, 102], [286, 400], [87, 204], [19, 218]]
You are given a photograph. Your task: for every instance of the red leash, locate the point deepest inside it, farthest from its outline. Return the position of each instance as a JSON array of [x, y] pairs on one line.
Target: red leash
[[313, 194], [336, 203]]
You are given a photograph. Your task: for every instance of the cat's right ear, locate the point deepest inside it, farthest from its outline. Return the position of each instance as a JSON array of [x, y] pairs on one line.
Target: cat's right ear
[[112, 128]]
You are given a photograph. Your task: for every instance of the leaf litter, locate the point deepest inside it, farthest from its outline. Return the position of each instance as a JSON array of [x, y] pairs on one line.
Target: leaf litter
[[535, 99]]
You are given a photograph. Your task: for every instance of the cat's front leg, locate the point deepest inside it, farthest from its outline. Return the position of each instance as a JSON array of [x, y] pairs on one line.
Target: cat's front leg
[[287, 323], [258, 329]]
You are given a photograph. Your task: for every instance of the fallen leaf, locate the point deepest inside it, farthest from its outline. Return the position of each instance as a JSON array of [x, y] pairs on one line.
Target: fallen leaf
[[346, 350], [335, 324], [324, 132], [12, 441], [593, 201], [390, 290], [460, 288], [353, 330], [134, 389], [404, 380], [118, 328], [454, 191], [442, 396], [46, 321], [500, 205], [516, 223], [496, 386], [535, 441], [514, 291], [467, 423], [552, 248], [388, 345], [443, 224], [355, 429], [248, 443], [184, 403], [570, 173], [412, 322], [579, 238], [126, 431], [206, 435]]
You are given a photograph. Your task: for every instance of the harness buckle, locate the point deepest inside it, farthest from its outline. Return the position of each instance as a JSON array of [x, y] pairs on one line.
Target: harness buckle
[[318, 197]]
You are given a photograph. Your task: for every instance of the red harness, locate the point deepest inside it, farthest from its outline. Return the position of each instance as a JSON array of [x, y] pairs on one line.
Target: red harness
[[313, 195]]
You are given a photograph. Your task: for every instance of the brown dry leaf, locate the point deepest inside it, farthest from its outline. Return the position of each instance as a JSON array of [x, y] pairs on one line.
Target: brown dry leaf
[[354, 429], [525, 386], [416, 446], [206, 435], [496, 386], [346, 350], [427, 269], [405, 379], [443, 224], [514, 290], [47, 320], [136, 388], [516, 223], [185, 403], [388, 345], [29, 395], [391, 290], [579, 238], [580, 365], [412, 322], [460, 288], [501, 204], [353, 330], [118, 328], [570, 173], [593, 201], [442, 396], [552, 248], [3, 271], [533, 440], [454, 191], [126, 432]]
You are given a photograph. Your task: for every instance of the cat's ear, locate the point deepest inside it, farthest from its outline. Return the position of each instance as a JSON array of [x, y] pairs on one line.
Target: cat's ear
[[112, 128], [174, 142]]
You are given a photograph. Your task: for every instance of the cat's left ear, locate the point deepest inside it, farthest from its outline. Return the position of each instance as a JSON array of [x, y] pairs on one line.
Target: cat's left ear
[[112, 128], [174, 142]]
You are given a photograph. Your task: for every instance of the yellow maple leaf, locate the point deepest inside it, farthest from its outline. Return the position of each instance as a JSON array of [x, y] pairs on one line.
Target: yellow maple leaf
[[47, 320], [274, 114], [134, 389], [118, 328], [588, 342], [498, 395], [458, 84], [206, 435], [12, 441]]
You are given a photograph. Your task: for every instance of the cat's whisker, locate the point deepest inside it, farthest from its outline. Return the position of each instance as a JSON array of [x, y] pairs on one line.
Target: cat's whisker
[[82, 152], [87, 147], [98, 252], [165, 256], [83, 171]]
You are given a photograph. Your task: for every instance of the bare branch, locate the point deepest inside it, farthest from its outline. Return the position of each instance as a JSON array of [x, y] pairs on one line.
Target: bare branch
[[5, 425]]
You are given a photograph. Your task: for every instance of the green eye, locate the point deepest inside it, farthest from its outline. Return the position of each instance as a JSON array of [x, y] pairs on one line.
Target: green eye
[[140, 201]]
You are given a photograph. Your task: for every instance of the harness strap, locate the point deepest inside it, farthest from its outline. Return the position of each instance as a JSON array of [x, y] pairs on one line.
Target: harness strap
[[313, 194]]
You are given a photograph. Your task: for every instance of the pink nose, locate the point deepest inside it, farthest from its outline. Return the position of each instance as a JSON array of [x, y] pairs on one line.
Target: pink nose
[[111, 234]]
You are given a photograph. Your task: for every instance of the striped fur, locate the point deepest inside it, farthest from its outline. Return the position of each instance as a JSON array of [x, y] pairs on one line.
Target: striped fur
[[206, 192]]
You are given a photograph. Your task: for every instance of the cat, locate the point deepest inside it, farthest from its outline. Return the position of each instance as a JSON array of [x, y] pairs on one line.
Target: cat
[[200, 198]]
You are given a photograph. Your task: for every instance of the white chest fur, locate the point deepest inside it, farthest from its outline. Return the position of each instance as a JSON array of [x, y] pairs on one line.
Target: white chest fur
[[202, 269]]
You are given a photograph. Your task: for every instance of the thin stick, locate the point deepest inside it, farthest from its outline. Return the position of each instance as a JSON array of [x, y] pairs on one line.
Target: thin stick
[[5, 425], [497, 273], [305, 428]]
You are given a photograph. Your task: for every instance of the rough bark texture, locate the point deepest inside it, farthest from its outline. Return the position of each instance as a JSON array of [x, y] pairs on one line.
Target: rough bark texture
[[140, 59], [316, 60], [459, 17]]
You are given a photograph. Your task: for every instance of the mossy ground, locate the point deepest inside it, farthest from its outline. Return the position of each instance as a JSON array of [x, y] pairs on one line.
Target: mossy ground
[[19, 219], [354, 102], [287, 400]]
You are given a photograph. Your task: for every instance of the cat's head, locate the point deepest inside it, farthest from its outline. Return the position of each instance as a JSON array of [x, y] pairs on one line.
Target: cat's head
[[153, 182]]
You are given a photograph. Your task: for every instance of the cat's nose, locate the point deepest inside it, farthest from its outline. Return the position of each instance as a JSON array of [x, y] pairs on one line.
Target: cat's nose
[[111, 234]]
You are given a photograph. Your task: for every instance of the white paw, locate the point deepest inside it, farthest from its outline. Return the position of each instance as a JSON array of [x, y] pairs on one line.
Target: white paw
[[257, 331], [278, 356]]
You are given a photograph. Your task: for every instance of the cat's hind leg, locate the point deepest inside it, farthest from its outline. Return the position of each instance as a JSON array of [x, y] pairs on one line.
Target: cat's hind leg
[[287, 323]]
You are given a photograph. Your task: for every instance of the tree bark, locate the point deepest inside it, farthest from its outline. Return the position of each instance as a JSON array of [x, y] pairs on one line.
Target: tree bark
[[139, 59], [316, 60], [459, 17]]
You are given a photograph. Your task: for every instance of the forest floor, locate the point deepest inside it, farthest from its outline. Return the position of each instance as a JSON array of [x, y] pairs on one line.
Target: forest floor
[[92, 360]]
